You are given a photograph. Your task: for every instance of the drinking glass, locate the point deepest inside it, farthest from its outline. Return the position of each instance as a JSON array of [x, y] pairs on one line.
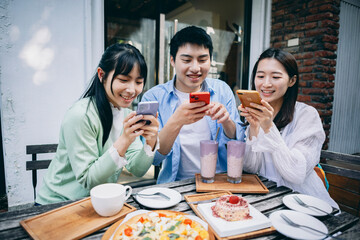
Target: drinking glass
[[235, 160], [208, 159]]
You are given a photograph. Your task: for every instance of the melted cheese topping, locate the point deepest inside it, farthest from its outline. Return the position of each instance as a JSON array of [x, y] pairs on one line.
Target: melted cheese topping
[[159, 226]]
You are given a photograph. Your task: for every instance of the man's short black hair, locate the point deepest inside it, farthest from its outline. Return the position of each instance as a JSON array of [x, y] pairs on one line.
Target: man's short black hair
[[193, 35]]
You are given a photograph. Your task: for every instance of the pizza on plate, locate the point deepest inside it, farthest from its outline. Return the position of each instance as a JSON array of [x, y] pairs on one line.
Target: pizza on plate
[[161, 225]]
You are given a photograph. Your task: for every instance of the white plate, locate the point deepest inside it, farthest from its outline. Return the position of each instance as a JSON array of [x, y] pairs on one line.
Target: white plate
[[301, 218], [226, 228], [157, 201], [291, 203], [132, 214]]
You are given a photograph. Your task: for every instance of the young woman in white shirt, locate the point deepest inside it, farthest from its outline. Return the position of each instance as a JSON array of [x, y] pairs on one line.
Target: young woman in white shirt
[[284, 137]]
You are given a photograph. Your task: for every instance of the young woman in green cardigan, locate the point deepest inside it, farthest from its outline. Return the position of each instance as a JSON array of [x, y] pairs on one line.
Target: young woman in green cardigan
[[99, 134]]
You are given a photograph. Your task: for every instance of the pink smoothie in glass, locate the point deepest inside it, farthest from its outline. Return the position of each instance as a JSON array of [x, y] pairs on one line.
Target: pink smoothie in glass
[[208, 159], [235, 155]]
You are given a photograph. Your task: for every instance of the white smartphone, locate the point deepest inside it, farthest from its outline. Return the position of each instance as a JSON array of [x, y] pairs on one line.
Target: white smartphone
[[147, 108]]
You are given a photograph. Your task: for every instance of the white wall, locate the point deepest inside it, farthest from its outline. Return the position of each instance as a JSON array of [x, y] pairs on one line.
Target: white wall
[[48, 51], [260, 31]]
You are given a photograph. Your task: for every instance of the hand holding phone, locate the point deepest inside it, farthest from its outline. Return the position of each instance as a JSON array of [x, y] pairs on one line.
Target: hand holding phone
[[147, 108], [248, 96], [200, 97]]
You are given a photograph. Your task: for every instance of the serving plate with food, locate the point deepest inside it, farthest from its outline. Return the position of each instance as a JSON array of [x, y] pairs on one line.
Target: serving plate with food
[[232, 215], [159, 224], [248, 221]]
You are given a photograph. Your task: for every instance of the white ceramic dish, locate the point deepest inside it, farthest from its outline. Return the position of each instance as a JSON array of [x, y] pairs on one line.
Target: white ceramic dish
[[158, 202], [132, 214], [226, 228], [291, 203], [301, 218]]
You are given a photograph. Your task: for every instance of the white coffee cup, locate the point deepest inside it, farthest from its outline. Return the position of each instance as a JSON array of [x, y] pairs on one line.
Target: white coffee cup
[[108, 199]]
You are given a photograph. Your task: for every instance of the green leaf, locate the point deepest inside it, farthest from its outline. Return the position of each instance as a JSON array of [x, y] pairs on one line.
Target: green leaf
[[143, 232], [172, 228], [147, 238], [178, 223], [173, 236]]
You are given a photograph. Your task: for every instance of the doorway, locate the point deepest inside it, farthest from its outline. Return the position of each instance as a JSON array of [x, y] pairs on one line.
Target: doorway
[[150, 25]]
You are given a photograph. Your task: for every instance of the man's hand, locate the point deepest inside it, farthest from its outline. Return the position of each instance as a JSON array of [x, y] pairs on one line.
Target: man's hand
[[188, 113], [219, 113]]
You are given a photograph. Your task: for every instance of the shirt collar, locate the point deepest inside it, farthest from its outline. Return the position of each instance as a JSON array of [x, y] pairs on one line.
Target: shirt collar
[[115, 111]]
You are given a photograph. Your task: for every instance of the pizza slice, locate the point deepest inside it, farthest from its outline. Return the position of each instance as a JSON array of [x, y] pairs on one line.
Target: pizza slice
[[163, 225]]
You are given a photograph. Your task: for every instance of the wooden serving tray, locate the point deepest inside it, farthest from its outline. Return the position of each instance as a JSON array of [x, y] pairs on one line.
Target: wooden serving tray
[[250, 184], [211, 195], [72, 221]]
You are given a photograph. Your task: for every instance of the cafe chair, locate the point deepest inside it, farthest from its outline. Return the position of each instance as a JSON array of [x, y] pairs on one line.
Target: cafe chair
[[343, 173], [36, 164], [342, 164]]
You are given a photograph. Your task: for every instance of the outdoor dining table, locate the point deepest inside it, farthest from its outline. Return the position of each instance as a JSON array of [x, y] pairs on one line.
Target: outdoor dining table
[[344, 222]]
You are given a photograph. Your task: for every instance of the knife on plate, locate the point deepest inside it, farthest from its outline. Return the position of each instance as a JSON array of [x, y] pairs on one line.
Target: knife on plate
[[210, 199], [205, 201]]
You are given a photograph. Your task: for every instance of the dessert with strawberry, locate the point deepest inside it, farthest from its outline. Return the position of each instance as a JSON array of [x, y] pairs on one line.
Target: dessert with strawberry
[[231, 208]]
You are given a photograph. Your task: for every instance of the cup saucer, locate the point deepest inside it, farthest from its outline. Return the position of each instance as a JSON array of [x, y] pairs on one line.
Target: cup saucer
[[158, 202]]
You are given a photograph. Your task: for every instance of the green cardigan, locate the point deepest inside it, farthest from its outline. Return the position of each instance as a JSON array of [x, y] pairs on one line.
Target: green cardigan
[[81, 161]]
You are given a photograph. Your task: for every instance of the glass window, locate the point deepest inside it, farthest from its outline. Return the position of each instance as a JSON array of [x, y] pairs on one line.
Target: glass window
[[149, 25]]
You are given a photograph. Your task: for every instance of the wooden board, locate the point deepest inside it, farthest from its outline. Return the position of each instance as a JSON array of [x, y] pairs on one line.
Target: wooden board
[[250, 184], [211, 195], [73, 221]]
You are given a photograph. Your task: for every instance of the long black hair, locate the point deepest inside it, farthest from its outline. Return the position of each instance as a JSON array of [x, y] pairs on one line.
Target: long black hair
[[121, 58], [286, 113]]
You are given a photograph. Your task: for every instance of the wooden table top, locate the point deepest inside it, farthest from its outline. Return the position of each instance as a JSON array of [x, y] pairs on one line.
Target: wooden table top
[[266, 203]]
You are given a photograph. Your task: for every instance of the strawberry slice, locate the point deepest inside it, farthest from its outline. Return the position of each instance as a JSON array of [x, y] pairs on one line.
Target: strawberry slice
[[234, 199]]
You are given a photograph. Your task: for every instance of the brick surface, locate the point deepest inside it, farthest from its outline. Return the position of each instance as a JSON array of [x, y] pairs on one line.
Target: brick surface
[[316, 24], [329, 23], [303, 98]]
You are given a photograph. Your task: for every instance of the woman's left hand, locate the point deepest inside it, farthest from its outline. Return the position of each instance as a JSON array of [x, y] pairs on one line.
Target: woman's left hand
[[151, 130], [263, 113]]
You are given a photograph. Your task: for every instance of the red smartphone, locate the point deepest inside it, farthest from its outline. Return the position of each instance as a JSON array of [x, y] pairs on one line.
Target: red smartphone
[[200, 97]]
